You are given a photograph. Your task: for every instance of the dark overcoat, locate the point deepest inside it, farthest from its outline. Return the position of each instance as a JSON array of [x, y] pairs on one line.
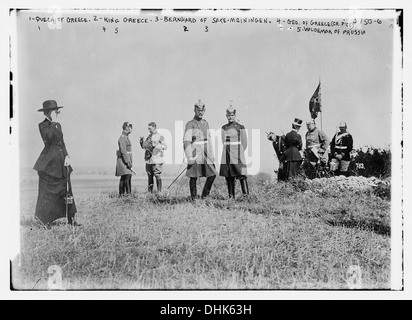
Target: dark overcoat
[[124, 156], [234, 138], [293, 142], [197, 143], [51, 159]]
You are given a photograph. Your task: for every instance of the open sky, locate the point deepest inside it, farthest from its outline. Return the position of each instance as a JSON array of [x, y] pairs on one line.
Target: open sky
[[157, 71]]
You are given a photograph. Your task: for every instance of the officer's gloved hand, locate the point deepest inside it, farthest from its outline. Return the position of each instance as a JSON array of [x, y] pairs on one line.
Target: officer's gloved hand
[[192, 160]]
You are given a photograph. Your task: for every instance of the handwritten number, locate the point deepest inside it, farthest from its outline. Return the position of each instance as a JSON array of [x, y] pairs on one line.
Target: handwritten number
[[157, 19], [95, 18], [104, 29], [185, 29], [55, 280], [206, 29], [116, 30]]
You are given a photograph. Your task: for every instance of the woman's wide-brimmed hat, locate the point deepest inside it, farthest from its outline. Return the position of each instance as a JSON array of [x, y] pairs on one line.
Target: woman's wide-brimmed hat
[[50, 105]]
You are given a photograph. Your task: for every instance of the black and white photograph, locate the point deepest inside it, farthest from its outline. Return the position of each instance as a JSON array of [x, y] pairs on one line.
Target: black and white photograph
[[211, 150]]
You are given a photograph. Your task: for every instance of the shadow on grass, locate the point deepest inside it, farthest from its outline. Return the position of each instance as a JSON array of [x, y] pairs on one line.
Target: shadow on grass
[[375, 227], [344, 220]]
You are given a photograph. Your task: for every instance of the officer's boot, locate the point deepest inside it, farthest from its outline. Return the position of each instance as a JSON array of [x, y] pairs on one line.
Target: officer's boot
[[244, 185], [71, 221], [208, 186], [129, 184], [121, 187], [193, 188], [231, 187], [150, 183], [159, 184]]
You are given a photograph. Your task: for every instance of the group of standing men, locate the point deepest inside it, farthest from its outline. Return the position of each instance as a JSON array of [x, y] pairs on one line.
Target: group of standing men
[[198, 150], [288, 150]]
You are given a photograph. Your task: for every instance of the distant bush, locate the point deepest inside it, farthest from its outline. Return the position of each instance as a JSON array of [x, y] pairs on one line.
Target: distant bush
[[374, 162], [366, 162]]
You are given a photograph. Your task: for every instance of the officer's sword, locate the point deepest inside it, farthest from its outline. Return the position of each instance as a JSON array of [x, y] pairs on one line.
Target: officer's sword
[[177, 178], [193, 139]]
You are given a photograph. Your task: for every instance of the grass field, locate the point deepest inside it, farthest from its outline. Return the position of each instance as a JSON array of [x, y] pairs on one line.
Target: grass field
[[283, 236]]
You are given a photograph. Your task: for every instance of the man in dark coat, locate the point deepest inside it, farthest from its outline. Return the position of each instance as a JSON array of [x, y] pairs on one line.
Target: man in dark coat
[[199, 153], [292, 156], [340, 148], [278, 142], [124, 163], [233, 163], [55, 198]]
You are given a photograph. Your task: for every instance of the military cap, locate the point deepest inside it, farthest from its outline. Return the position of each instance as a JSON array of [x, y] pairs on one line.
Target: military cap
[[126, 125], [231, 110], [200, 105]]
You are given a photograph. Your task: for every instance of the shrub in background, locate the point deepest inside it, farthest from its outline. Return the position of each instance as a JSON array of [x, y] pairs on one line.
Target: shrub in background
[[372, 162]]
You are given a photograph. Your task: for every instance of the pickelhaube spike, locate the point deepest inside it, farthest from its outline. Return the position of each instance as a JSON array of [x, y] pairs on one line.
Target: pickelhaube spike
[[231, 110], [200, 104]]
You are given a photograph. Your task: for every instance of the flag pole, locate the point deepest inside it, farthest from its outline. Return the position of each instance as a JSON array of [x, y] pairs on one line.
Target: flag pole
[[321, 109]]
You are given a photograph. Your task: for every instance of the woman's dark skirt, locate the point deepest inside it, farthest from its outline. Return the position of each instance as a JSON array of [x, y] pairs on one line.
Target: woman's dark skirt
[[51, 204]]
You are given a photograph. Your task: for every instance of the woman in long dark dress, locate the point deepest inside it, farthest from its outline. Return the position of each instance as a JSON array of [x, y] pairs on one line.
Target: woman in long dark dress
[[54, 170]]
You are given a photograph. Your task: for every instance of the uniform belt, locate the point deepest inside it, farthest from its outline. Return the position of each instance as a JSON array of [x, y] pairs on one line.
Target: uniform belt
[[341, 147], [129, 152], [200, 142], [231, 143]]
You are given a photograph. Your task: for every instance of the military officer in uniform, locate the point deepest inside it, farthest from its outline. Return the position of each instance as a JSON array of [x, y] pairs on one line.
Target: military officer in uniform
[[317, 143], [124, 163], [154, 146], [340, 148], [292, 156], [233, 164], [198, 150]]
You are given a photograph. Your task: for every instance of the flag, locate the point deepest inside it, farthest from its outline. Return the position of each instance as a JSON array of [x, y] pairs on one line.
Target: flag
[[315, 103]]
